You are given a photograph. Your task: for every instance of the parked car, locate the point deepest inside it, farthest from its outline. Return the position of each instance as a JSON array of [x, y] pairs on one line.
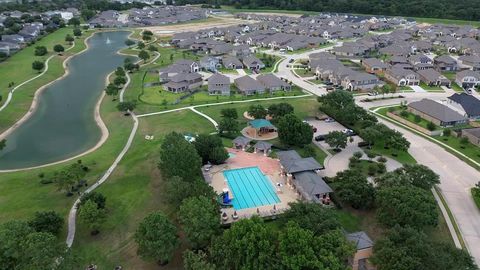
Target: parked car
[[320, 138], [349, 132], [291, 60], [329, 120], [469, 91], [313, 128], [373, 93]]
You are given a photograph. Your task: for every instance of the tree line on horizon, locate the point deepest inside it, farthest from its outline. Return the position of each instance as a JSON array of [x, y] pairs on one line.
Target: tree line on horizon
[[445, 9]]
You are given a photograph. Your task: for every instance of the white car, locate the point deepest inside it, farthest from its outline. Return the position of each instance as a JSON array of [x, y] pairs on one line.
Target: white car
[[329, 120]]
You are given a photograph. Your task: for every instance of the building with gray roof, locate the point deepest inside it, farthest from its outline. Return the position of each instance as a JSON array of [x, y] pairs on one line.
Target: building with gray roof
[[312, 187], [437, 113], [249, 86], [433, 77], [467, 103], [292, 162], [219, 84], [272, 83]]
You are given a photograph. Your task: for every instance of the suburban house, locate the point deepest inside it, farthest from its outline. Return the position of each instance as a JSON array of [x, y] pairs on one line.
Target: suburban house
[[437, 113], [210, 63], [272, 83], [472, 134], [219, 84], [402, 77], [241, 51], [179, 67], [253, 63], [360, 81], [183, 82], [302, 174], [374, 65], [249, 86], [468, 104], [433, 77], [364, 250], [467, 78], [445, 63], [350, 50], [419, 59], [470, 61], [230, 62]]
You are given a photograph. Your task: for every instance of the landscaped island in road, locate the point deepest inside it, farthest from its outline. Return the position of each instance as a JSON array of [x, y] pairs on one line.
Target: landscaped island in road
[[63, 124]]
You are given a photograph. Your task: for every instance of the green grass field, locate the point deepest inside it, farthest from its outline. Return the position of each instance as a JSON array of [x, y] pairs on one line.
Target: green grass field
[[18, 69]]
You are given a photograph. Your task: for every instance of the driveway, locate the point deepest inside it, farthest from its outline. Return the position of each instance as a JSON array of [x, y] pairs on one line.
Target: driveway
[[325, 127]]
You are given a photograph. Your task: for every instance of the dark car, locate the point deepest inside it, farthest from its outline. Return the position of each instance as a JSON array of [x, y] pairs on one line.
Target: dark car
[[320, 138], [291, 60]]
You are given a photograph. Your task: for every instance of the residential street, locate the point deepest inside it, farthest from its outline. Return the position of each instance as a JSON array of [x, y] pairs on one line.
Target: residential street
[[456, 176]]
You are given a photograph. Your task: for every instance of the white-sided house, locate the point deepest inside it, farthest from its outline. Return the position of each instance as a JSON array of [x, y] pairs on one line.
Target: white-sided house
[[402, 77], [360, 81], [219, 84], [467, 79]]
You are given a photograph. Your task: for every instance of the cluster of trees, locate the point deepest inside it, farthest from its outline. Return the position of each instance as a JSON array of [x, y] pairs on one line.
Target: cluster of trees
[[118, 82], [275, 111], [405, 205], [92, 212], [32, 244], [210, 148], [70, 178], [293, 131], [147, 35], [464, 10], [341, 106], [228, 125]]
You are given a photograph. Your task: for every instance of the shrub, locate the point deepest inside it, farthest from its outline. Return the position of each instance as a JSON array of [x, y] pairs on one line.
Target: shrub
[[447, 132], [431, 126], [381, 168], [404, 114], [382, 160], [476, 195], [372, 169], [417, 118]]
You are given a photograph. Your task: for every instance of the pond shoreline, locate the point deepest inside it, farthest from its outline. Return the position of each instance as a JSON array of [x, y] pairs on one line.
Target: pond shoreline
[[97, 114]]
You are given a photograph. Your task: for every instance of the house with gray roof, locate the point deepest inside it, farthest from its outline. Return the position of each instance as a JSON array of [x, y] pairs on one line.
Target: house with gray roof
[[445, 63], [472, 134], [436, 113], [183, 82], [360, 81], [249, 86], [433, 78], [210, 63], [467, 78], [312, 187], [402, 77], [272, 83], [253, 63], [241, 142], [219, 84], [468, 104], [230, 62], [291, 162]]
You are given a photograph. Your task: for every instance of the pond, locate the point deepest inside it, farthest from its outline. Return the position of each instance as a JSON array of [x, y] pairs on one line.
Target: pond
[[63, 124]]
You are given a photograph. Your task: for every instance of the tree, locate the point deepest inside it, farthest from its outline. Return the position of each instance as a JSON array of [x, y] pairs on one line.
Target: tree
[[126, 106], [228, 125], [406, 206], [47, 221], [431, 126], [447, 132], [370, 135], [144, 55], [39, 251], [3, 143], [129, 42], [119, 80], [177, 189], [210, 148], [336, 139], [279, 110], [229, 113], [69, 39], [157, 238], [74, 21], [248, 244], [38, 65], [58, 48], [152, 48], [98, 198], [200, 220], [312, 217], [292, 131], [77, 32], [410, 174], [120, 72], [111, 89], [12, 235], [63, 181], [196, 261], [179, 158], [92, 216], [141, 45], [354, 189], [40, 50], [257, 111]]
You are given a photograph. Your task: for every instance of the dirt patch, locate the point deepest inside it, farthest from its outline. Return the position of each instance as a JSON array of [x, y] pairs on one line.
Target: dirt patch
[[211, 22]]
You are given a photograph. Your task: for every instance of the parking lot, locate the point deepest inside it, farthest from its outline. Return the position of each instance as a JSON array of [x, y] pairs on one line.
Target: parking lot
[[324, 127]]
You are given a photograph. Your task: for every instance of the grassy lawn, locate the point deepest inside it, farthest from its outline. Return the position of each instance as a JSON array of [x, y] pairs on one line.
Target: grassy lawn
[[405, 89], [362, 166], [450, 75], [409, 117], [231, 9], [429, 88], [457, 88], [470, 150], [400, 156], [304, 72], [227, 71], [314, 81], [18, 69], [446, 21], [267, 58]]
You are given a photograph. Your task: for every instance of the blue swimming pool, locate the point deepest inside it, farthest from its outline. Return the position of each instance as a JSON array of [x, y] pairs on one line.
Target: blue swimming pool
[[250, 188]]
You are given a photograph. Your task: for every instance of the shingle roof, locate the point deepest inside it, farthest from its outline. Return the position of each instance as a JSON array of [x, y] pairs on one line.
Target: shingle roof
[[240, 140], [293, 163], [218, 78], [360, 239], [436, 110], [262, 145], [270, 80], [311, 184], [247, 83], [470, 104]]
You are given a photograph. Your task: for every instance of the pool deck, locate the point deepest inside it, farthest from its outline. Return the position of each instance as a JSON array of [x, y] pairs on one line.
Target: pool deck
[[269, 166]]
